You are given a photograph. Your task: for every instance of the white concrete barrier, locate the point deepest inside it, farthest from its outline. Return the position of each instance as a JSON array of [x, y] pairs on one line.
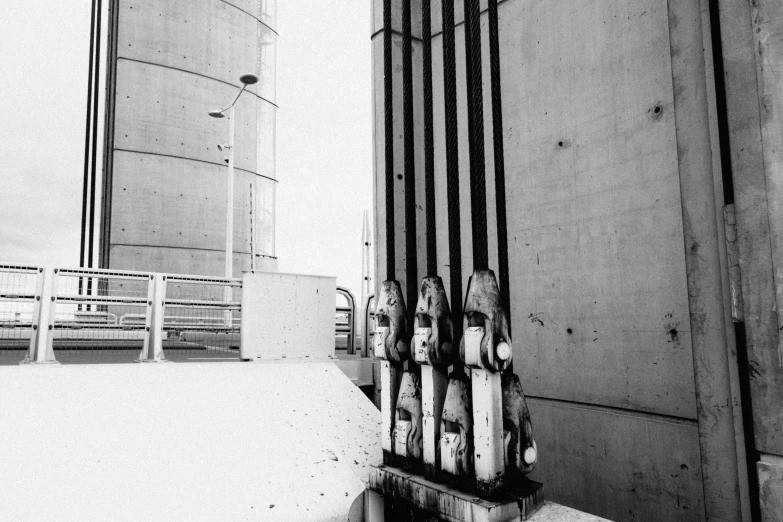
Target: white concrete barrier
[[287, 316]]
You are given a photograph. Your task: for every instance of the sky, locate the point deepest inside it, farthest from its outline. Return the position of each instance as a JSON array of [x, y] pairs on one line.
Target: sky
[[324, 133]]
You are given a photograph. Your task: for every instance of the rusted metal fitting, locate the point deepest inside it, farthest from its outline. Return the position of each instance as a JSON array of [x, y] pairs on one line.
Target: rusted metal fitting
[[456, 429], [408, 425], [486, 343], [520, 450], [433, 340], [391, 333]]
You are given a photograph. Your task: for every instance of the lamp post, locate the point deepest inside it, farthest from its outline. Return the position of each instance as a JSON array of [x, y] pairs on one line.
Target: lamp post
[[246, 79]]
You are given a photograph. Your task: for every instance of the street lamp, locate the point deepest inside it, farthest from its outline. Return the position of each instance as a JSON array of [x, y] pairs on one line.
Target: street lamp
[[246, 79]]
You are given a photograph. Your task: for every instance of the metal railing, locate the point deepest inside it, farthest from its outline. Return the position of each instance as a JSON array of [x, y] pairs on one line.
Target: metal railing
[[345, 321], [20, 297], [202, 316], [96, 315], [87, 304], [369, 325]]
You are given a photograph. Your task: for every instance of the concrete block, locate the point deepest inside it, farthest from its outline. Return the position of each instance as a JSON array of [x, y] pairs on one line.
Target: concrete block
[[287, 316], [770, 471]]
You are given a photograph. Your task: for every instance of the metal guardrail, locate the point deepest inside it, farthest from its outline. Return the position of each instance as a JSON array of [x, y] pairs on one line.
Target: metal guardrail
[[202, 315], [81, 313], [86, 305], [21, 287], [346, 328], [369, 325]]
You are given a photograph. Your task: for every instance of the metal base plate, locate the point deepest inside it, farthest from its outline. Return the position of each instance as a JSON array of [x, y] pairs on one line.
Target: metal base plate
[[407, 494]]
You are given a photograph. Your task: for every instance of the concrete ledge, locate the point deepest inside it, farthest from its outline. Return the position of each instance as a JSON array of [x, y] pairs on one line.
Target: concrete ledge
[[770, 471], [212, 441]]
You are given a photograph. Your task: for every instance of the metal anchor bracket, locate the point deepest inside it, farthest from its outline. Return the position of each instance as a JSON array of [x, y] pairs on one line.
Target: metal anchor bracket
[[486, 343], [520, 450], [391, 332]]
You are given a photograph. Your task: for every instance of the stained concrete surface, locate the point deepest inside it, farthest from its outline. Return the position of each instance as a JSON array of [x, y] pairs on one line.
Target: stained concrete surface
[[229, 441]]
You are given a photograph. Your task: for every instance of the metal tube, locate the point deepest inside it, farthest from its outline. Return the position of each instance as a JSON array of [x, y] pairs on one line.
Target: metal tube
[[230, 207]]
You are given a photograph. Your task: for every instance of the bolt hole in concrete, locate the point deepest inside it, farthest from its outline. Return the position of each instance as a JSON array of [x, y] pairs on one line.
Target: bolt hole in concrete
[[570, 331], [673, 332], [399, 176], [657, 110]]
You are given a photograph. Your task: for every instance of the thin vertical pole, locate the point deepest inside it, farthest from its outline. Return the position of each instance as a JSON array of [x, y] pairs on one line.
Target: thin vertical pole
[[252, 231], [230, 212]]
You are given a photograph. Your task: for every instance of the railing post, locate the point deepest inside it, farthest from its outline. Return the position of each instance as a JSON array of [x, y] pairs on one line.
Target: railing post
[[156, 311], [41, 349]]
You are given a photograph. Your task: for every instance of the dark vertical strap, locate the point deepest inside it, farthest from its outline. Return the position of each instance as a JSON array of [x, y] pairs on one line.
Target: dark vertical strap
[[500, 168], [93, 161], [411, 265], [429, 147], [389, 137], [478, 189], [86, 181], [87, 145], [452, 165]]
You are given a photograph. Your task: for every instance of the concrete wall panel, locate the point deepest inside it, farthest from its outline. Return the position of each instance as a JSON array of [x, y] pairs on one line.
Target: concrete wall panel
[[595, 231], [176, 260], [172, 34], [182, 204], [173, 62], [601, 312], [576, 444], [164, 111]]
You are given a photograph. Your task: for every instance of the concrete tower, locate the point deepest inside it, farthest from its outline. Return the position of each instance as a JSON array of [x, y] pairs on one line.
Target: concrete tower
[[164, 184]]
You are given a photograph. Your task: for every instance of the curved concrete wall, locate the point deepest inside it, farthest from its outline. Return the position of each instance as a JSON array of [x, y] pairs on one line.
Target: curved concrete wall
[[164, 205]]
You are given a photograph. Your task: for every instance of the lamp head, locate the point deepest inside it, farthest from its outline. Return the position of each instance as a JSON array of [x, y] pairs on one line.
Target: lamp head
[[216, 113], [248, 79]]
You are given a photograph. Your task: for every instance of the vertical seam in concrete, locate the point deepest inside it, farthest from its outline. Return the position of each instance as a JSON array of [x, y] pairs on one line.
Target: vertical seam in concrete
[[710, 358], [108, 135]]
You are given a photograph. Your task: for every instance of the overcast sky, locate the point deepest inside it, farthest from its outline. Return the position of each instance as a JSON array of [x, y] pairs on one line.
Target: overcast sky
[[324, 140]]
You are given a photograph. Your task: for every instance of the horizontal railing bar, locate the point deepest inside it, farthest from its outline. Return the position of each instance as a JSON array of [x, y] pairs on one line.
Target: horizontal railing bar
[[107, 274], [19, 269], [196, 328], [96, 299], [176, 303], [16, 297], [82, 326], [10, 325], [203, 280]]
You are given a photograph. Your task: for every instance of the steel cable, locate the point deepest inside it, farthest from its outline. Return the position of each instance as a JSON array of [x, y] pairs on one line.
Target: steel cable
[[500, 169], [429, 148], [389, 137], [411, 266], [452, 165], [478, 189]]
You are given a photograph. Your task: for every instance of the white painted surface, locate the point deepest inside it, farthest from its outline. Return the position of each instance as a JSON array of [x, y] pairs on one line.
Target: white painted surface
[[389, 389], [434, 383], [228, 441], [287, 316], [487, 424]]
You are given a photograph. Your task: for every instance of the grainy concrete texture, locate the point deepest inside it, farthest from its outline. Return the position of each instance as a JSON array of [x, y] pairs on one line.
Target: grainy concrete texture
[[228, 441], [164, 186]]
